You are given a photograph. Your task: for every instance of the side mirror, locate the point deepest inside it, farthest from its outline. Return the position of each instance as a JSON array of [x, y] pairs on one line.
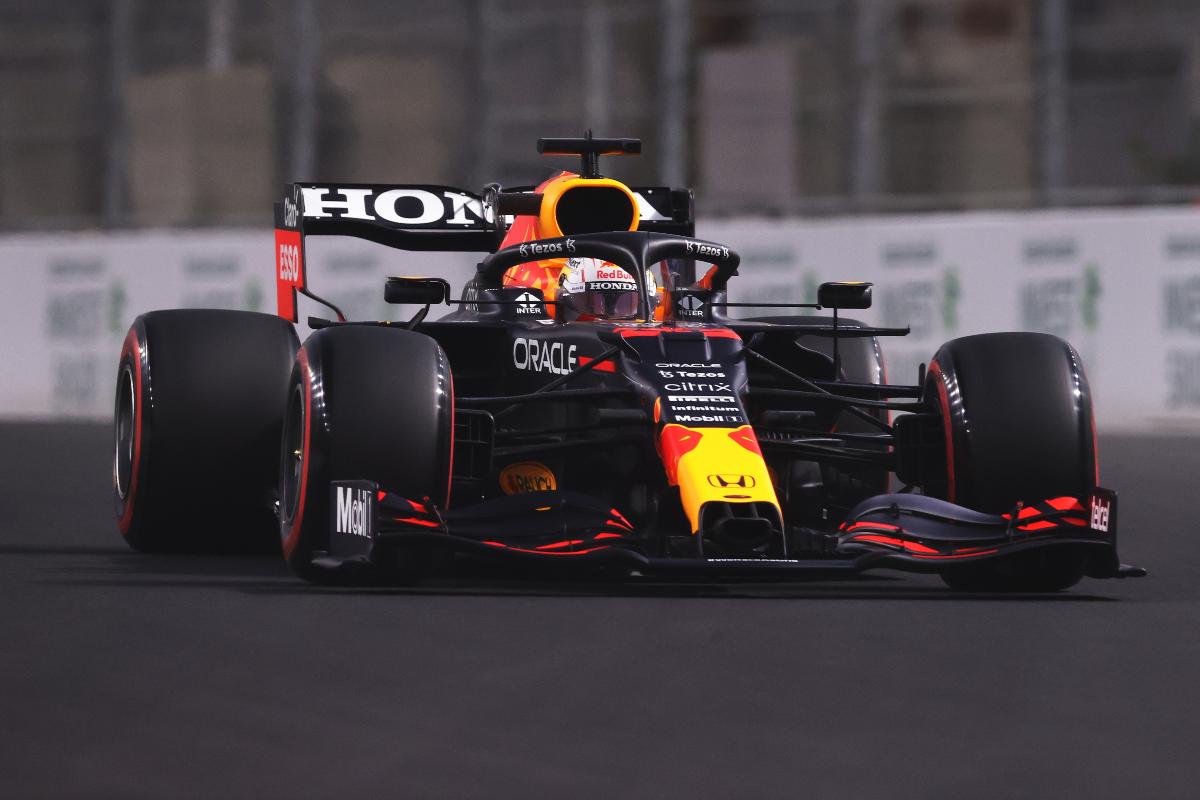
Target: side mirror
[[416, 291], [844, 294]]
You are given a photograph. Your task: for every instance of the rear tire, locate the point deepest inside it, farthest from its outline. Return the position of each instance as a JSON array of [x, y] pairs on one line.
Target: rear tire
[[1017, 418], [198, 418], [371, 403]]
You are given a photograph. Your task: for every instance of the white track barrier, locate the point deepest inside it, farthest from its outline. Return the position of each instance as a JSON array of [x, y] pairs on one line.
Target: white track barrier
[[1122, 285]]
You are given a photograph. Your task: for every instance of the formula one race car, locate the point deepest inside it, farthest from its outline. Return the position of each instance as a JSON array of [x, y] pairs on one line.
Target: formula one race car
[[588, 401]]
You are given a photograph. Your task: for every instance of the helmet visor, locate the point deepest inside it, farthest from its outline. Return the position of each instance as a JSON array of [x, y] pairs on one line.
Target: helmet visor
[[608, 299]]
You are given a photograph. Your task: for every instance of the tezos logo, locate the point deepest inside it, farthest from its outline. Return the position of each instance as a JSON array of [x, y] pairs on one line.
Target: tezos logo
[[353, 508], [536, 355], [528, 303], [701, 249], [1100, 513], [539, 248], [690, 306], [289, 263]]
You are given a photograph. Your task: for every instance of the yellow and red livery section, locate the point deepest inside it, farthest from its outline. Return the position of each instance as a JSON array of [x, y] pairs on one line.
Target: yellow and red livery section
[[715, 465], [544, 274]]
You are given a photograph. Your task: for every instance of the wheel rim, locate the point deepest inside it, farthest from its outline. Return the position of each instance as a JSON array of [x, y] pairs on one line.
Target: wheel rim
[[125, 432], [292, 466]]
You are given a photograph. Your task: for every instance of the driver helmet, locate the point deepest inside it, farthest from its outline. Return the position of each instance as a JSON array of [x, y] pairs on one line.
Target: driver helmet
[[593, 289]]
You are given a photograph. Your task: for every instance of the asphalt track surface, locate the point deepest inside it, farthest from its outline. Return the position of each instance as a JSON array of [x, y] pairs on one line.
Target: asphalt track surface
[[131, 676]]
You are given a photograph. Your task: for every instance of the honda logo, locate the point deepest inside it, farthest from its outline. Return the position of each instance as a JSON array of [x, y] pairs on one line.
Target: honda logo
[[731, 481]]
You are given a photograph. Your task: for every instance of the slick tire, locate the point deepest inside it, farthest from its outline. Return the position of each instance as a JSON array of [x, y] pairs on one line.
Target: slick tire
[[1017, 419], [363, 402], [197, 423]]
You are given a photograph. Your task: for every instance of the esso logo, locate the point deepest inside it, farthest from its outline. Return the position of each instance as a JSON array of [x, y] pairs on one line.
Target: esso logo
[[289, 263]]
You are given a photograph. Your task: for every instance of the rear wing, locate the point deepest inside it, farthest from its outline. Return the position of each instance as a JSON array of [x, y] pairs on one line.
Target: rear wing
[[421, 217]]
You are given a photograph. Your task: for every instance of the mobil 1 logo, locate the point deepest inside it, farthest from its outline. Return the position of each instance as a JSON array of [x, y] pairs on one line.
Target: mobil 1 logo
[[352, 517]]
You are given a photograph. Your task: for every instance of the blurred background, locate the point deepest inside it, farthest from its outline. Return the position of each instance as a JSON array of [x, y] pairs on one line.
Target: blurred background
[[990, 164], [130, 113]]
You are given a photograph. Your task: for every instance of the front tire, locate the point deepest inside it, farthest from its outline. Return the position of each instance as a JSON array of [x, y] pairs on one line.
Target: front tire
[[364, 402], [1017, 419]]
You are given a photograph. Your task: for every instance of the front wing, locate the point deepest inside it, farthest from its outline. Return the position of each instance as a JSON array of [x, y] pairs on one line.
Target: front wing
[[899, 531]]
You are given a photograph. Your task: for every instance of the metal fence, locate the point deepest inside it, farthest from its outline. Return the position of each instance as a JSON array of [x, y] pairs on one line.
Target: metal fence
[[117, 113]]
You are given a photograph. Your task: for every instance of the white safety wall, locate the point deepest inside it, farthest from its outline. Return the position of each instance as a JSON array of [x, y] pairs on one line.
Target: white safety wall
[[1122, 285]]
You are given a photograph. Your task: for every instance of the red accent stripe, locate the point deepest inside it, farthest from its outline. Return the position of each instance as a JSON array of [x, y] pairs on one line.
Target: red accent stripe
[[1065, 504], [944, 403], [415, 521], [956, 555], [131, 346], [289, 543], [609, 536], [556, 545], [620, 518], [676, 441], [888, 540], [602, 366], [881, 525], [1041, 525], [558, 552], [714, 333], [746, 438], [450, 473]]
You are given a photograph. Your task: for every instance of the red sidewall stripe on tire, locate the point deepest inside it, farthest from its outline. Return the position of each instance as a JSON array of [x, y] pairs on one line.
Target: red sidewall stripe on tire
[[289, 543], [131, 347], [450, 469], [944, 404]]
